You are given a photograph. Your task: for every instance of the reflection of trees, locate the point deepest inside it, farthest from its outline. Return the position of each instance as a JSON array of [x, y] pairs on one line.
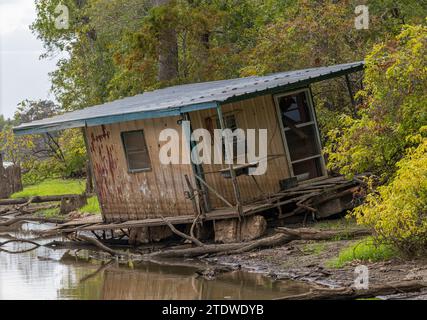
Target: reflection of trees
[[68, 276]]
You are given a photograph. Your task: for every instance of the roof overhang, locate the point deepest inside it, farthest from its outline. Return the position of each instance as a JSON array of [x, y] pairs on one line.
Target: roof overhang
[[223, 92]]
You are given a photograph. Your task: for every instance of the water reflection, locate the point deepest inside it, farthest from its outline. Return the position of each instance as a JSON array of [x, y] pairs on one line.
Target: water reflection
[[61, 274]]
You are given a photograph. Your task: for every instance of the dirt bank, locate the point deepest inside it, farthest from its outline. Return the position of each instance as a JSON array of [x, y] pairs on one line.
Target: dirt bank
[[311, 261]]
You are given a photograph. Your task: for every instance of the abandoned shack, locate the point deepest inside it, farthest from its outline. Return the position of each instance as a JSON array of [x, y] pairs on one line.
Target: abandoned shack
[[10, 178], [136, 190]]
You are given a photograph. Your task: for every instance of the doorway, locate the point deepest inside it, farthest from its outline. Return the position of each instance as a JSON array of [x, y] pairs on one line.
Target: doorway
[[300, 134]]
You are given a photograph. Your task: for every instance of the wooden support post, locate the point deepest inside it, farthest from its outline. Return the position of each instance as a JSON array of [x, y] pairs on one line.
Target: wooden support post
[[232, 172], [193, 196], [350, 92], [215, 192], [198, 171]]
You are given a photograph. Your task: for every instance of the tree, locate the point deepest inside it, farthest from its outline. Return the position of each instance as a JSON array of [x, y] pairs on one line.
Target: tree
[[394, 108]]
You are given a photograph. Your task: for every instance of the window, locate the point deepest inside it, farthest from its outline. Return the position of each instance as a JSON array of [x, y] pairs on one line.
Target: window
[[136, 151], [231, 123], [301, 134]]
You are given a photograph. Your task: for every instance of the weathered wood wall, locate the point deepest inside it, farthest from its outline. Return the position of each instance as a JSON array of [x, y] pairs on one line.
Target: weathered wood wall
[[129, 196], [10, 180], [256, 113]]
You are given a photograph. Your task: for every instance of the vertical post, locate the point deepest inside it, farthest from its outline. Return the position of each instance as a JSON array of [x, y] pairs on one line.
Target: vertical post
[[232, 172], [350, 92], [198, 170]]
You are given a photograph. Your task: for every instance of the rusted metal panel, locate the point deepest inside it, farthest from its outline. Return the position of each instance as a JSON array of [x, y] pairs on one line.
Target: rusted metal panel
[[125, 195]]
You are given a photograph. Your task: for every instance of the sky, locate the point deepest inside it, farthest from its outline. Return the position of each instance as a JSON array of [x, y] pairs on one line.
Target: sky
[[22, 74]]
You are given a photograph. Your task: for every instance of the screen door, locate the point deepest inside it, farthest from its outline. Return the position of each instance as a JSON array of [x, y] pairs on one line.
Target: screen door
[[300, 135]]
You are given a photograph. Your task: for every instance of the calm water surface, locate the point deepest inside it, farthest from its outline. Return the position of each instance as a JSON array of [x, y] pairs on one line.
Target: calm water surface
[[67, 274]]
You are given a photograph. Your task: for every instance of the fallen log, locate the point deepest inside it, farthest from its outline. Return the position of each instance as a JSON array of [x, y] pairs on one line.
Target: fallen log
[[12, 221], [315, 234], [228, 248], [100, 245], [36, 199], [283, 236], [351, 293]]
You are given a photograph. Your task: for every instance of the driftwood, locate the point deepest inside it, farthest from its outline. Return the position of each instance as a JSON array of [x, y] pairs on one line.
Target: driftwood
[[229, 248], [100, 245], [315, 234], [283, 235], [350, 293], [37, 199], [182, 234], [12, 221]]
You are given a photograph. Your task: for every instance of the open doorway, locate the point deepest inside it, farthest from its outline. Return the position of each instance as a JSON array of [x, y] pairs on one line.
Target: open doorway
[[300, 134]]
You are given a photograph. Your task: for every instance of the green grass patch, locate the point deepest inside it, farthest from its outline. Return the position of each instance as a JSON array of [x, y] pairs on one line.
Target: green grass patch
[[57, 187], [342, 223], [92, 206], [364, 250], [53, 187], [314, 248], [49, 213]]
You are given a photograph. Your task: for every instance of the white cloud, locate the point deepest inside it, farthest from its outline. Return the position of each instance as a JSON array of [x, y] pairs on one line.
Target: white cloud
[[22, 74], [16, 15]]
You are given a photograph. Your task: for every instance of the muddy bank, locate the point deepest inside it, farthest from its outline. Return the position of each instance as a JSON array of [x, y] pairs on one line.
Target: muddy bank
[[310, 261]]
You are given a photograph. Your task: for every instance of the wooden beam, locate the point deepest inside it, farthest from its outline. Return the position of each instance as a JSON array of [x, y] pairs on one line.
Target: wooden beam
[[232, 172]]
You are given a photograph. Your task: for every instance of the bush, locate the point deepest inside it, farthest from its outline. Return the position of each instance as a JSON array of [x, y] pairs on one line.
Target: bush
[[398, 211], [394, 106]]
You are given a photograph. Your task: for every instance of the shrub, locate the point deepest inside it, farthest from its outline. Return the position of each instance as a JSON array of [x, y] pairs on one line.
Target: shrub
[[398, 211]]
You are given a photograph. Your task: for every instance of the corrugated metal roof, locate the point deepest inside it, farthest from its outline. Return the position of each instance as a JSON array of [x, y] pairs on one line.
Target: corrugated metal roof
[[185, 98]]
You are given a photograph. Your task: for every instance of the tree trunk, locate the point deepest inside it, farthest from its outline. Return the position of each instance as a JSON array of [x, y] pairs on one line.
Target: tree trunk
[[168, 50]]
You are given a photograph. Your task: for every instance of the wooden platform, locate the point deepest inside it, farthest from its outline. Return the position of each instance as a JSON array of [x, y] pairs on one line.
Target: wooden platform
[[316, 192]]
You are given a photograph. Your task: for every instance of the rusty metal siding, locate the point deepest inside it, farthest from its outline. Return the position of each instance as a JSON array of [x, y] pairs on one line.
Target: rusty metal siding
[[129, 196], [255, 113]]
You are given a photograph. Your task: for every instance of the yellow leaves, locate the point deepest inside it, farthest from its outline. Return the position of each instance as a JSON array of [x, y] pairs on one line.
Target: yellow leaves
[[398, 210]]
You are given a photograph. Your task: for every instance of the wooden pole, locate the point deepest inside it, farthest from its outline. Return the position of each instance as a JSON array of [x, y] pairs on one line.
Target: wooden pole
[[198, 171], [350, 92], [231, 168]]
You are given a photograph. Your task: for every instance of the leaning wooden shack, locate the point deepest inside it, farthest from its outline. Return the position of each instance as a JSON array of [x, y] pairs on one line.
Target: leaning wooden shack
[[138, 192]]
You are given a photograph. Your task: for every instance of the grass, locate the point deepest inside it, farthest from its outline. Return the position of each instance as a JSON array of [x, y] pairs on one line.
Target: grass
[[52, 187], [92, 206], [341, 223], [56, 187], [314, 248], [364, 250]]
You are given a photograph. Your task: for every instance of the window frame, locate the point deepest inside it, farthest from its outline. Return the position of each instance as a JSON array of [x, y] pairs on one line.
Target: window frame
[[125, 149], [308, 93]]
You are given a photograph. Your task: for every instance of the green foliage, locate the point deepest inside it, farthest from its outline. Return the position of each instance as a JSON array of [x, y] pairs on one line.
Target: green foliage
[[52, 187], [14, 148], [398, 211], [394, 108], [92, 206], [365, 250]]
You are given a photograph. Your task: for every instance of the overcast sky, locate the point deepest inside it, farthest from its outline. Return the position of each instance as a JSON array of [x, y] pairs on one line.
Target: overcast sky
[[22, 74]]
